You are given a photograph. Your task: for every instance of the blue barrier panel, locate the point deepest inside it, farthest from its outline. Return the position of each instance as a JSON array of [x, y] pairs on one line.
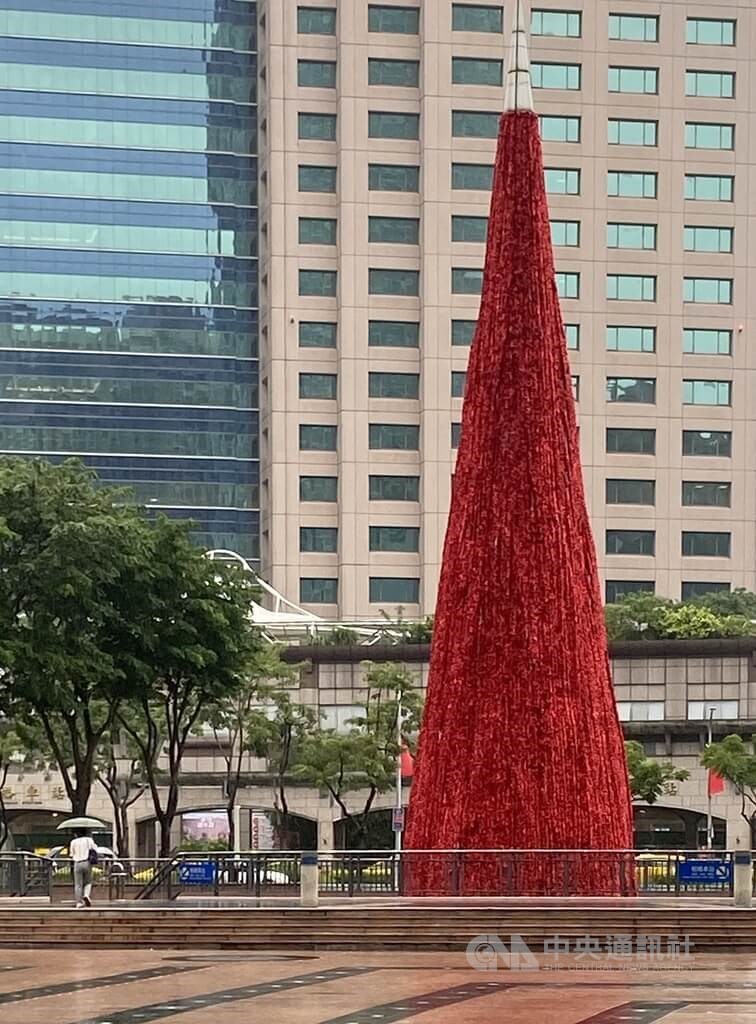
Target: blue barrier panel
[[197, 872], [704, 872]]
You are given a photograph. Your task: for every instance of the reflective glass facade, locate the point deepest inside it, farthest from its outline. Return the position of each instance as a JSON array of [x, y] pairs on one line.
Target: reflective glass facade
[[128, 249]]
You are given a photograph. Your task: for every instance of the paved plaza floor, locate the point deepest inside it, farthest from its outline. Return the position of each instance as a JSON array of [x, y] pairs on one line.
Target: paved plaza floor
[[143, 986]]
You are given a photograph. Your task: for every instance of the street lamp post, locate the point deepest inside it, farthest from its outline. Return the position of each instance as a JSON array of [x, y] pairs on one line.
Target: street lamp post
[[709, 818], [399, 807]]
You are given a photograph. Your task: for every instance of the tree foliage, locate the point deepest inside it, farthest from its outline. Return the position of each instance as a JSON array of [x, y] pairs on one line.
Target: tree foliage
[[733, 759], [363, 759], [649, 778], [644, 616]]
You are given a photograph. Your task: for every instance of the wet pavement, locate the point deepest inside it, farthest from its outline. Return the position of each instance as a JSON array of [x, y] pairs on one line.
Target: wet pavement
[[611, 985]]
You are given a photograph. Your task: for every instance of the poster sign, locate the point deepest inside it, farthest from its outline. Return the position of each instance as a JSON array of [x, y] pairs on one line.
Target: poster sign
[[197, 872], [397, 819], [704, 872]]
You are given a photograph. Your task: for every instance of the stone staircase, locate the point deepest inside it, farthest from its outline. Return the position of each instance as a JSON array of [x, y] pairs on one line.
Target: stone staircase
[[716, 928]]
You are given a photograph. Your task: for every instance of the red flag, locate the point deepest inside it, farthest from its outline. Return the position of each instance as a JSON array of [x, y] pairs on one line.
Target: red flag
[[716, 783], [408, 764]]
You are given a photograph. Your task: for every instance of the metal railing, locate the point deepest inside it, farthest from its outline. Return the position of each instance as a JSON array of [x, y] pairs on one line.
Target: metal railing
[[365, 873], [25, 874]]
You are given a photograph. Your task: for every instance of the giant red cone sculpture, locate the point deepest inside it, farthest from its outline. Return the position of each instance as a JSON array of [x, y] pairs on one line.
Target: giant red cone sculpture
[[520, 748]]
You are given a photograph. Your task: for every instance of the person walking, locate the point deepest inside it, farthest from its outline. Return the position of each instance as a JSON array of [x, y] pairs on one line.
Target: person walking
[[83, 853]]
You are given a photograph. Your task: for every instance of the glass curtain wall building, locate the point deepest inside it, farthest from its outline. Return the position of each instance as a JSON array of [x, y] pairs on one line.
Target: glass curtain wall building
[[128, 249]]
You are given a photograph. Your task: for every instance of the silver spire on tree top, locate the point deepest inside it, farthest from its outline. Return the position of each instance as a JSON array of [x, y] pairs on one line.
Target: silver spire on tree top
[[519, 94]]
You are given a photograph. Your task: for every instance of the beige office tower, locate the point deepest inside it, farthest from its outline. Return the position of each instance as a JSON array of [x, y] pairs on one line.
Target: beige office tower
[[378, 125]]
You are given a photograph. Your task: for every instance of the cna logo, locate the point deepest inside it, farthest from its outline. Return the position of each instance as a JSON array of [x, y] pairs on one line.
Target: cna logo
[[488, 952]]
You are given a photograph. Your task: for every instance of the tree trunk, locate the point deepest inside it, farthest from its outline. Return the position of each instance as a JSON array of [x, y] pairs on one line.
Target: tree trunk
[[165, 837]]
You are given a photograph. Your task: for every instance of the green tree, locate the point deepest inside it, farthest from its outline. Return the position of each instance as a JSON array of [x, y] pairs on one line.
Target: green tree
[[690, 621], [123, 788], [193, 646], [649, 778], [739, 602], [363, 760], [234, 720], [277, 733], [11, 752], [637, 617], [734, 760], [68, 552]]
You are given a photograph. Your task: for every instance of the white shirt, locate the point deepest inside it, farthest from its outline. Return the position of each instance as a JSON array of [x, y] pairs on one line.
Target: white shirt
[[79, 848]]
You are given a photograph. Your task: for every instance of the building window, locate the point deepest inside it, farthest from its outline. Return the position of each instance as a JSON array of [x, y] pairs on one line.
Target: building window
[[709, 188], [705, 494], [405, 73], [476, 71], [317, 335], [318, 539], [393, 282], [632, 184], [617, 589], [468, 229], [462, 332], [316, 74], [710, 32], [703, 341], [318, 488], [705, 135], [320, 127], [631, 389], [559, 129], [562, 181], [712, 290], [631, 287], [692, 590], [393, 178], [565, 24], [631, 542], [456, 434], [702, 239], [475, 124], [631, 236], [393, 334], [317, 385], [707, 392], [719, 84], [318, 591], [634, 80], [472, 176], [706, 544], [394, 538], [393, 385], [572, 334], [401, 20], [394, 590], [316, 21], [640, 710], [725, 710], [568, 285], [317, 179], [317, 231], [317, 437], [477, 18], [317, 282], [394, 230], [623, 132], [631, 492], [634, 27], [555, 76], [458, 379], [393, 436], [630, 441], [393, 125], [466, 281], [705, 443], [394, 488], [565, 232], [628, 338]]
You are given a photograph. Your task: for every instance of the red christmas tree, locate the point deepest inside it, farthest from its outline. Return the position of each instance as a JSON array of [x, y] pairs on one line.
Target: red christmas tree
[[521, 747]]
